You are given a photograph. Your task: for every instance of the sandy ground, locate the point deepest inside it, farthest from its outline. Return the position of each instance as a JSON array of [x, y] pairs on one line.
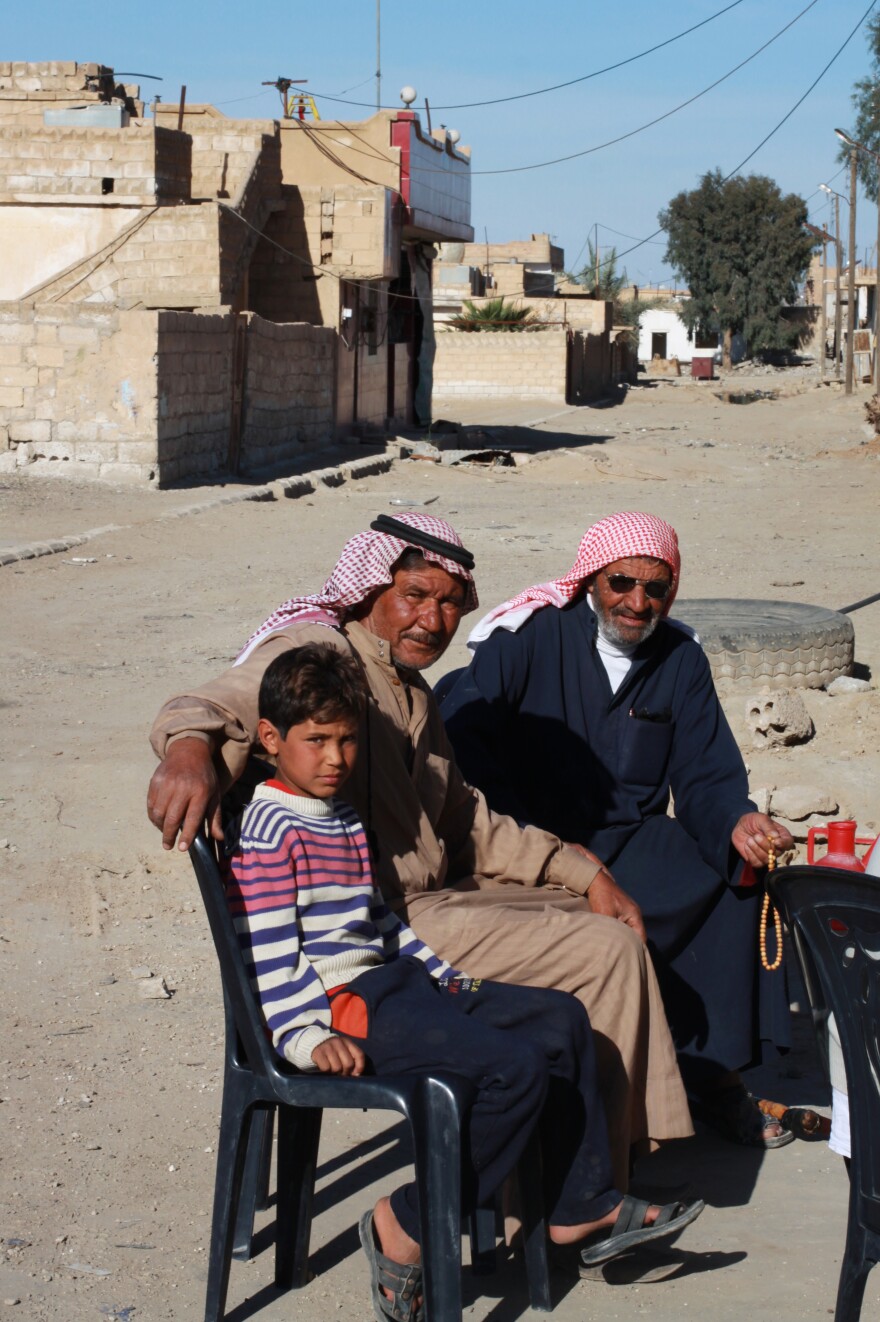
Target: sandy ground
[[109, 1100]]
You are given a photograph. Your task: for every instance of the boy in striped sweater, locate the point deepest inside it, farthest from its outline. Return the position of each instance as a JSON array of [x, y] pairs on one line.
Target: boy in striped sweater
[[345, 987]]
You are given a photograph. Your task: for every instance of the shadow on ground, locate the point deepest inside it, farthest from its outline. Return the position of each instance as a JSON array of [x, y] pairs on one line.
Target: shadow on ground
[[706, 1166]]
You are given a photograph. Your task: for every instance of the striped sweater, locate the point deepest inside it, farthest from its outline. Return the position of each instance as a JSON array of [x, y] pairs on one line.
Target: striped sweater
[[307, 912]]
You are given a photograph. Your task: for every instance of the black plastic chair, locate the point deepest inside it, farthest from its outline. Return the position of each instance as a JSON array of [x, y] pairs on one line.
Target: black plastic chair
[[257, 1083], [834, 920]]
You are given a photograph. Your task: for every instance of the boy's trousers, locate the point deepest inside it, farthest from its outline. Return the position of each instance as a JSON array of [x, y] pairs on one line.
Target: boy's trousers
[[528, 1051]]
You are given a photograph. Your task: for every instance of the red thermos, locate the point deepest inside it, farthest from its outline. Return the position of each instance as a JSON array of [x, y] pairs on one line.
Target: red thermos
[[841, 853]]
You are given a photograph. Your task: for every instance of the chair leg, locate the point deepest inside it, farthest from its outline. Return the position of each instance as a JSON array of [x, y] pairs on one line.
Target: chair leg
[[534, 1229], [482, 1234], [254, 1196], [436, 1128], [853, 1273], [299, 1130], [235, 1123]]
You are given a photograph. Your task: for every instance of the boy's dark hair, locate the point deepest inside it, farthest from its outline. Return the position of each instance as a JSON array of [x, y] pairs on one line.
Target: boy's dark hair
[[311, 683]]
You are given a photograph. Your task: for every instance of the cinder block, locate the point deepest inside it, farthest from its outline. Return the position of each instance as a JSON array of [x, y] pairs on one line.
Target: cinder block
[[137, 452], [12, 332], [82, 335], [53, 450], [22, 375], [75, 431], [29, 431]]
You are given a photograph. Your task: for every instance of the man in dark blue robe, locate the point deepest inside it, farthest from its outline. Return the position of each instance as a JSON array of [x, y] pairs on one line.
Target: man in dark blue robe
[[584, 711]]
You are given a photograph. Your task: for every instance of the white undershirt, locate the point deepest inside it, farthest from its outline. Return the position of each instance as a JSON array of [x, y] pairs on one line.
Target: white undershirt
[[616, 658]]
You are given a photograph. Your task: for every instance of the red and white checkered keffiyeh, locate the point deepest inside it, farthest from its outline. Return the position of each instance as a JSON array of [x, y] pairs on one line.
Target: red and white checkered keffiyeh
[[364, 565], [617, 537]]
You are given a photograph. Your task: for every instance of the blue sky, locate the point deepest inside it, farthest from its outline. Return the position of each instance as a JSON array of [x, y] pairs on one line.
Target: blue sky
[[474, 50]]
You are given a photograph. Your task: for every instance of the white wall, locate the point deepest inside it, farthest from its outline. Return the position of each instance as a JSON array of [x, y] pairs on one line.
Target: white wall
[[664, 321], [40, 242]]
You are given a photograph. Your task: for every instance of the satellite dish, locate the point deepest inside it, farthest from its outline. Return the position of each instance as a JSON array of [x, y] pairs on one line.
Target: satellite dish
[[454, 136], [408, 95]]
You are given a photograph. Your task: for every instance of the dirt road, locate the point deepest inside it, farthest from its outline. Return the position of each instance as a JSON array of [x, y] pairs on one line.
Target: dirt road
[[109, 1098]]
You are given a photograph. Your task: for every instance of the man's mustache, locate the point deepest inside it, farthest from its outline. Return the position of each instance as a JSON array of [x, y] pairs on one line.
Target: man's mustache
[[423, 636]]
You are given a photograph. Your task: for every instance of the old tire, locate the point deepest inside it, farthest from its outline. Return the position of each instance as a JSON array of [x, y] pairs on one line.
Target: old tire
[[782, 644]]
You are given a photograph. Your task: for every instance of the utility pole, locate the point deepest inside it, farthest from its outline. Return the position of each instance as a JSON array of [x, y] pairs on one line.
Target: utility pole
[[596, 254], [851, 274], [877, 299], [838, 258], [823, 312], [854, 147]]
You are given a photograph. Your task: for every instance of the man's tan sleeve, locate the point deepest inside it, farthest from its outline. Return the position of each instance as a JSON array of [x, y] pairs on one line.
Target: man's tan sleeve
[[223, 712], [483, 843]]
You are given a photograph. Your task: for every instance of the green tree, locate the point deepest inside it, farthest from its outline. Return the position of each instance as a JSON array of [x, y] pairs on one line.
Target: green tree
[[741, 247], [866, 100]]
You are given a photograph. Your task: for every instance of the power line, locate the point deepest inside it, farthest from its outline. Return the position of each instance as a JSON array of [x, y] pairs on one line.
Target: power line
[[623, 137], [799, 102], [541, 91], [777, 127], [304, 261], [612, 142], [650, 237]]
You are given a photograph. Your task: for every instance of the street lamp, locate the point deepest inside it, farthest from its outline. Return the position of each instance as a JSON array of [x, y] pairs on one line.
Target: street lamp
[[856, 147], [837, 261], [851, 272]]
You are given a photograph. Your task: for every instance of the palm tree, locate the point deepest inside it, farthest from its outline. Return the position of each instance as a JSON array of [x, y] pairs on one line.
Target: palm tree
[[494, 315], [610, 281]]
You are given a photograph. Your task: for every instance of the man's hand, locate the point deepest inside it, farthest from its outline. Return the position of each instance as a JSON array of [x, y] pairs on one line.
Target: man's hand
[[183, 792], [606, 897], [752, 835], [339, 1056]]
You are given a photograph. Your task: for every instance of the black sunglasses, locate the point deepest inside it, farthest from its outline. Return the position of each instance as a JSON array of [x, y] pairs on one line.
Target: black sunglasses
[[655, 588]]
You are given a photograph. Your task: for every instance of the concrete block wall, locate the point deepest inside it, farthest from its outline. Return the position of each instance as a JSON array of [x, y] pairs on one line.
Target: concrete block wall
[[284, 285], [347, 232], [78, 392], [146, 396], [589, 366], [222, 148], [357, 233], [173, 260], [243, 220], [167, 256], [137, 164], [27, 88], [193, 352], [486, 364], [289, 391]]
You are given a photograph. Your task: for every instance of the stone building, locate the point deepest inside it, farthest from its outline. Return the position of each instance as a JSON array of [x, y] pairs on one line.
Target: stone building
[[191, 294], [570, 360]]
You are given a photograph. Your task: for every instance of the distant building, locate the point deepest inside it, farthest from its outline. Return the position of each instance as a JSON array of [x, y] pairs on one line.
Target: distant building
[[574, 356], [192, 294], [520, 269]]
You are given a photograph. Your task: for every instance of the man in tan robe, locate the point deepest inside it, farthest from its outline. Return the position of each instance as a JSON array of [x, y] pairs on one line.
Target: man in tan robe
[[496, 899]]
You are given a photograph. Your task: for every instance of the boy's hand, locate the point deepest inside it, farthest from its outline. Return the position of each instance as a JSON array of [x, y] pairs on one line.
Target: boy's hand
[[339, 1056]]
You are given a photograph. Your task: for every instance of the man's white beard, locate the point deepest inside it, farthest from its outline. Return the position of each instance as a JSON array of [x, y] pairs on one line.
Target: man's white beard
[[612, 633]]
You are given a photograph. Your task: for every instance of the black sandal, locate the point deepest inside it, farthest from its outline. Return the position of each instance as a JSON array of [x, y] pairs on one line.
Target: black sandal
[[629, 1230], [734, 1114], [404, 1280]]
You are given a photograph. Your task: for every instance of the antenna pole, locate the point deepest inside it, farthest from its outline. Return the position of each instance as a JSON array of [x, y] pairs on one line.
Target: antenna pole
[[378, 55]]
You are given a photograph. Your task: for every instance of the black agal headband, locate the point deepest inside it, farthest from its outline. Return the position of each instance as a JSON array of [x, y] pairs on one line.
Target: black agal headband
[[416, 537]]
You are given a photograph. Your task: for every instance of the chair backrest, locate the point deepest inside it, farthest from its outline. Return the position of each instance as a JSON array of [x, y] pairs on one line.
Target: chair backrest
[[835, 916], [242, 1011]]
